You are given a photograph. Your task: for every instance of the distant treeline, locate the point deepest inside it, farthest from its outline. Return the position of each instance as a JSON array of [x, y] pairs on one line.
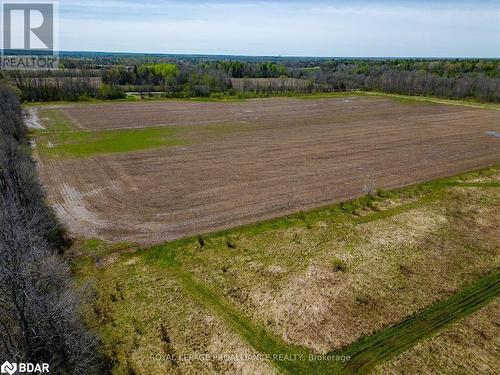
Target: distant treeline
[[189, 80], [460, 79], [477, 79], [64, 88], [40, 312]]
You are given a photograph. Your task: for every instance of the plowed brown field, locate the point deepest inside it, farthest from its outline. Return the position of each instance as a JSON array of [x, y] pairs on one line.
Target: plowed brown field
[[257, 159]]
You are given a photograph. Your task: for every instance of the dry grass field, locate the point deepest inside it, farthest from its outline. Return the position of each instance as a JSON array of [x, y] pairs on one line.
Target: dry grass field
[[149, 172]]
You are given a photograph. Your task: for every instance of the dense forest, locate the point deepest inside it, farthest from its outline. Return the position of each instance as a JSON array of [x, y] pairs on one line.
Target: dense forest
[[477, 79], [40, 312]]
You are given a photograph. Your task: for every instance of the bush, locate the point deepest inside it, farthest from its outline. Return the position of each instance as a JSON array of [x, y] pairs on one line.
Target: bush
[[338, 265], [107, 92]]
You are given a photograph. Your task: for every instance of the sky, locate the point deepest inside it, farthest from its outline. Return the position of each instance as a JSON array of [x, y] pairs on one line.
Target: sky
[[356, 28]]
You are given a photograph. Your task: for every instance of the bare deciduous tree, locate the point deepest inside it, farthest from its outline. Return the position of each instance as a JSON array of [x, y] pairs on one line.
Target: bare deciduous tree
[[40, 309]]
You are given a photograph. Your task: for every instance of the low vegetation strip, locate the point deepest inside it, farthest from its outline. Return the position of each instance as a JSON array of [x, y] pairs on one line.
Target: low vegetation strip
[[375, 349], [433, 99]]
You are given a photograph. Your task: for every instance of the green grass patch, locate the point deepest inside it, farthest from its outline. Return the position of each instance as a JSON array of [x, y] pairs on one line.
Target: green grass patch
[[312, 69], [60, 139], [407, 99], [81, 144], [92, 249]]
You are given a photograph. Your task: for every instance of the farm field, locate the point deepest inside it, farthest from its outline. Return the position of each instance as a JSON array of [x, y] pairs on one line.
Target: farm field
[[366, 254], [369, 279], [149, 172]]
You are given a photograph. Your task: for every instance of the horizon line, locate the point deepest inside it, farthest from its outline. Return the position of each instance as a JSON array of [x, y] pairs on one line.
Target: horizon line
[[197, 54]]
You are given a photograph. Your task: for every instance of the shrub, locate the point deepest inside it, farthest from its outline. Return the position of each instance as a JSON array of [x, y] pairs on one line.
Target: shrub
[[201, 241], [107, 92], [338, 265]]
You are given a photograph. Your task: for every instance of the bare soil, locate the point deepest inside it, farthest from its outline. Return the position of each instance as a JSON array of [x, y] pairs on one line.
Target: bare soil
[[280, 156]]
